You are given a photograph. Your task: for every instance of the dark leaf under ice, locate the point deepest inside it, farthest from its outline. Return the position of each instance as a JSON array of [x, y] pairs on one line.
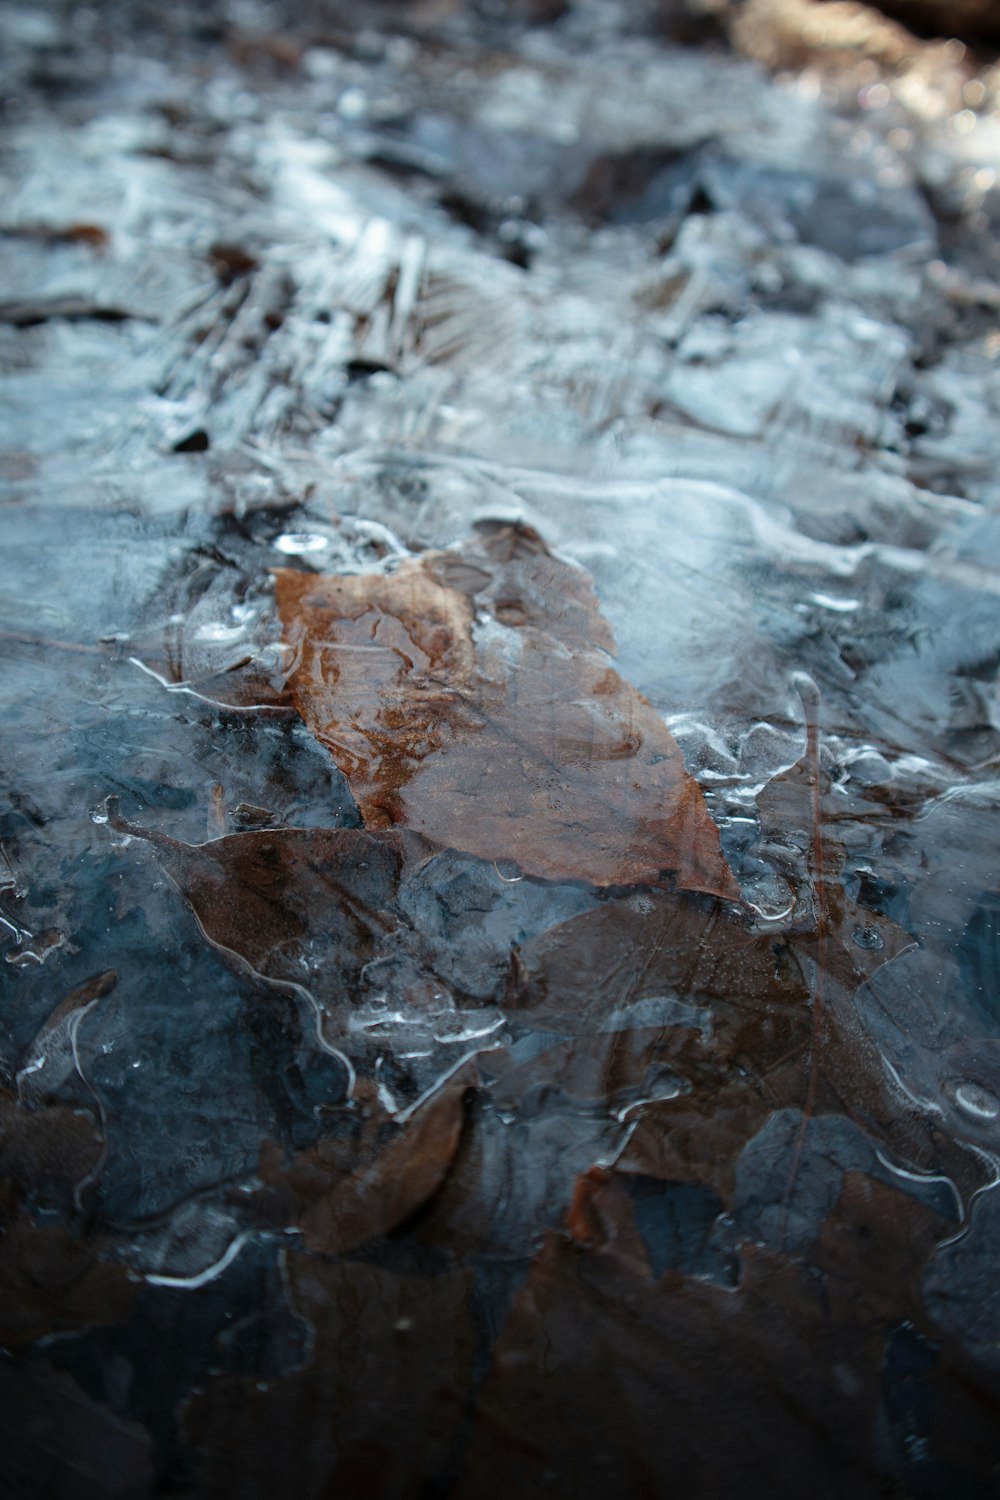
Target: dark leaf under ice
[[391, 1172]]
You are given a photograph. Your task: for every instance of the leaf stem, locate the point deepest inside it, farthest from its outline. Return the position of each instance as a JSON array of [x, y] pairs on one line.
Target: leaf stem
[[810, 696]]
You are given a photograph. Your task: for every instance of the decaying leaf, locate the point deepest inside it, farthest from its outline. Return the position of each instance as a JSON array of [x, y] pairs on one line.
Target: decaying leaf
[[468, 696], [52, 1280], [411, 1165], [48, 1153], [339, 1206], [736, 1013], [376, 1408], [57, 1441], [590, 973], [300, 906], [606, 1380]]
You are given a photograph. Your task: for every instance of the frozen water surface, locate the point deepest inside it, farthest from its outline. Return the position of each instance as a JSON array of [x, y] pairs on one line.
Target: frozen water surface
[[410, 1077]]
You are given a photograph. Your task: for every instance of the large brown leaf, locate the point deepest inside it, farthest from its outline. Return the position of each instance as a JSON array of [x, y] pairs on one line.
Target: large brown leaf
[[606, 1380], [741, 1028], [468, 696], [659, 956]]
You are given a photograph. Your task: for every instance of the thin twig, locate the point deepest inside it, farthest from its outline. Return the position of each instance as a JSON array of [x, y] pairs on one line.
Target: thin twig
[[26, 638], [809, 694]]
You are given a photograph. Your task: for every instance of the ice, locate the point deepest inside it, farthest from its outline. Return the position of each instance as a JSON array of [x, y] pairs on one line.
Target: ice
[[285, 288]]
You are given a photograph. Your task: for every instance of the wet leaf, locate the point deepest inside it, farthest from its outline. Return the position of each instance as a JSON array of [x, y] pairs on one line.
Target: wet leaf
[[468, 696], [513, 1177], [56, 1441], [47, 1153], [704, 1382], [647, 956], [739, 1031], [606, 1381], [299, 906], [377, 1407], [402, 1165], [51, 1281]]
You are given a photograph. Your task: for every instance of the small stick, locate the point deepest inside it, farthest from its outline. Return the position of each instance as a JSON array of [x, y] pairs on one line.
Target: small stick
[[217, 812], [810, 696], [26, 638]]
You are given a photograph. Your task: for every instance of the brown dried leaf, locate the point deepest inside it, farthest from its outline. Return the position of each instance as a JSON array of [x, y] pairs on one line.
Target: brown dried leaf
[[407, 1170], [468, 697]]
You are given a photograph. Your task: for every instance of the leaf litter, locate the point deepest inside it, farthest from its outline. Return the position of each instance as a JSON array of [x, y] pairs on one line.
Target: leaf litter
[[675, 1030], [662, 1029]]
